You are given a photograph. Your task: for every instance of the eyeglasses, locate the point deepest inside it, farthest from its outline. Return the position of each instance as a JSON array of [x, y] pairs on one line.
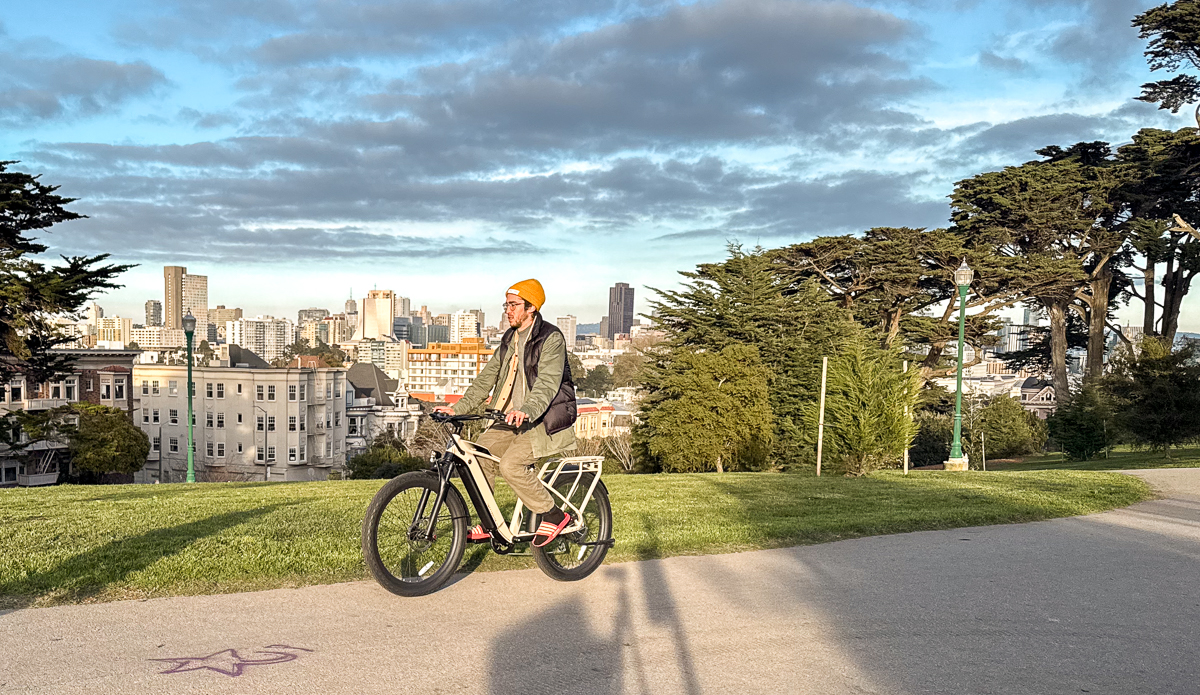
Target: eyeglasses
[[512, 305]]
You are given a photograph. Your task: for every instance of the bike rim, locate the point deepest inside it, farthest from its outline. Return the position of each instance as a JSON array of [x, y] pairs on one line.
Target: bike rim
[[403, 548]]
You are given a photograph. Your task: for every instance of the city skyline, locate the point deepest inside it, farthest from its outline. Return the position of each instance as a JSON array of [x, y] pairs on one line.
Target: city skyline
[[292, 155]]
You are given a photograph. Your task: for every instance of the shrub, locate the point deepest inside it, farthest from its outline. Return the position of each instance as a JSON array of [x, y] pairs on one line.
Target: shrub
[[1081, 425]]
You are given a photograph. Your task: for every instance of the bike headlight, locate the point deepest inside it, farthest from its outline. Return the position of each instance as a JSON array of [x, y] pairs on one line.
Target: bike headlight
[[433, 457]]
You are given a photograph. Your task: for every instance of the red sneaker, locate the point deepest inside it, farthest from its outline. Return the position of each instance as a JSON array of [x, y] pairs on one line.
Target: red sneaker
[[478, 534], [550, 531]]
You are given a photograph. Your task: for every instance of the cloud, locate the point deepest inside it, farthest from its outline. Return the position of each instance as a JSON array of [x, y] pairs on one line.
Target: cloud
[[993, 61], [37, 88]]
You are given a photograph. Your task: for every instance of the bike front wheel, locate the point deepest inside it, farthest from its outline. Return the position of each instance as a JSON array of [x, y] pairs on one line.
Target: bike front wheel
[[573, 556], [399, 550]]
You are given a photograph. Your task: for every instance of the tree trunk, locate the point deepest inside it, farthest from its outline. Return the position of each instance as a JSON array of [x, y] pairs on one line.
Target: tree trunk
[[1149, 289], [1057, 308], [1181, 282], [1098, 321]]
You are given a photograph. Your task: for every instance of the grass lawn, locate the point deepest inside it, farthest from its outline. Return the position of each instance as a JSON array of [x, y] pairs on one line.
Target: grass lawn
[[75, 544], [1118, 459]]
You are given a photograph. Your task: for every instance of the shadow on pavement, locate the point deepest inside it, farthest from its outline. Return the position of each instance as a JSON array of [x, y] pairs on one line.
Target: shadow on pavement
[[90, 573]]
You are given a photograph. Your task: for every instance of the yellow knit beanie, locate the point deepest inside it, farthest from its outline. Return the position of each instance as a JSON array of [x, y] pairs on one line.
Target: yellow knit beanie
[[531, 291]]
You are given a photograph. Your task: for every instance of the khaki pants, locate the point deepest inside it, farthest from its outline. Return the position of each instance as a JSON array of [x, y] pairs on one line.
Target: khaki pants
[[516, 454]]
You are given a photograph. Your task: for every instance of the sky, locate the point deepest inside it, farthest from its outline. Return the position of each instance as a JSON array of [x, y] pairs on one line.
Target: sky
[[300, 151]]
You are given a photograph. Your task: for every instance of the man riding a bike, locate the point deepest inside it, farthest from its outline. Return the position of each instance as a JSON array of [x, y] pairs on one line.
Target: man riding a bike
[[529, 380]]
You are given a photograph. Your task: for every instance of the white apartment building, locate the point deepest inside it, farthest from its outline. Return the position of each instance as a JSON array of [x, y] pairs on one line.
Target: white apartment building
[[115, 329], [567, 325], [463, 324], [249, 424], [265, 336], [446, 368], [158, 338]]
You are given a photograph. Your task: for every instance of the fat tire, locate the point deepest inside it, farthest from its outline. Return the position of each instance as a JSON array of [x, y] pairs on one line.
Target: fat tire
[[454, 514], [600, 528]]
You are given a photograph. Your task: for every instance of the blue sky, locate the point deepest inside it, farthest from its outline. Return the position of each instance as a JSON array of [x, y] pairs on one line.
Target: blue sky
[[295, 150]]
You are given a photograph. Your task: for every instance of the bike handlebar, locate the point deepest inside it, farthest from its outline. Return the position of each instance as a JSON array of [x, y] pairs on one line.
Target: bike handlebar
[[494, 415]]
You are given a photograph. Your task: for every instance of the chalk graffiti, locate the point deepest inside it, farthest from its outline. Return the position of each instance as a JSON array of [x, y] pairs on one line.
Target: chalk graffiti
[[230, 662]]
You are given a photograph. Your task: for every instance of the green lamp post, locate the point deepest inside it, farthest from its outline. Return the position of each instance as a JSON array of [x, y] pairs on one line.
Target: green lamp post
[[189, 329], [962, 278]]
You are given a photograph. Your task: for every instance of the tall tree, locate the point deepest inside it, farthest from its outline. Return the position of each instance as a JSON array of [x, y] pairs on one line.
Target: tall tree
[[1057, 222], [741, 301], [1161, 179], [1174, 33], [33, 293], [898, 282], [1156, 394]]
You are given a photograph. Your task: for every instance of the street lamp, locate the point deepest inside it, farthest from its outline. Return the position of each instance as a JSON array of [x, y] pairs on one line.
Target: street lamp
[[962, 279], [189, 329]]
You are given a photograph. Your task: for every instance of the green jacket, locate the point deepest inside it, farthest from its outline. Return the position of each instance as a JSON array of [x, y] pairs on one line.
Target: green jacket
[[551, 365]]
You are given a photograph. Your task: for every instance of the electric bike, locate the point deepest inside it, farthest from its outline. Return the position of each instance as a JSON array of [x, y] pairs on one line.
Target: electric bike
[[415, 530]]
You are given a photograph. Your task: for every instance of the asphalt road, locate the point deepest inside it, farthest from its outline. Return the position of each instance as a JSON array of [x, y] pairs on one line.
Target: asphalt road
[[1108, 603]]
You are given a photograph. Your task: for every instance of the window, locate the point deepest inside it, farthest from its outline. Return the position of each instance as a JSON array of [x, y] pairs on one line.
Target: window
[[270, 453], [351, 425], [220, 390], [55, 391], [239, 418], [16, 392], [301, 452], [271, 392], [260, 423], [220, 421], [120, 388], [291, 453], [208, 390], [154, 387], [173, 416], [105, 391], [303, 388], [302, 422], [291, 392], [154, 416], [220, 449], [337, 389], [239, 389], [156, 444], [337, 418], [172, 388], [258, 456], [69, 389], [174, 445], [208, 450], [328, 391], [145, 387], [328, 448], [145, 416], [291, 423], [208, 419], [259, 395], [270, 423], [239, 447], [3, 394]]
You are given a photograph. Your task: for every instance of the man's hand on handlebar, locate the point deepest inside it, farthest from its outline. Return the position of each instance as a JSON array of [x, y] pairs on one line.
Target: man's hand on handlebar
[[516, 418], [444, 410]]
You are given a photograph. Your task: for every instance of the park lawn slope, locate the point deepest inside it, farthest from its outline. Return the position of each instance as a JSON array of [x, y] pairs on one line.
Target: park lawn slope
[[1121, 458], [79, 544]]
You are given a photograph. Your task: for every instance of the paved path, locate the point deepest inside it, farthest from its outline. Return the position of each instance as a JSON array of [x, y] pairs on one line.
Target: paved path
[[1108, 603]]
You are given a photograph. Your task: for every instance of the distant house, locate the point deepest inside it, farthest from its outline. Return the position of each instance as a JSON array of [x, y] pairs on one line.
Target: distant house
[[1037, 396], [380, 405]]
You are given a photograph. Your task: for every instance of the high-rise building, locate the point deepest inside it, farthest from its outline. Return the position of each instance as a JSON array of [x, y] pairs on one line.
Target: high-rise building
[[446, 368], [154, 313], [336, 330], [93, 313], [479, 316], [310, 314], [604, 326], [265, 336], [620, 309], [463, 324], [375, 319], [351, 306], [195, 300], [567, 325], [173, 296], [403, 307]]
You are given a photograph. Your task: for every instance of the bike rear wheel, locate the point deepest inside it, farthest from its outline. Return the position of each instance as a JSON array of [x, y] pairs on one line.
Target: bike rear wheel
[[395, 545], [573, 556]]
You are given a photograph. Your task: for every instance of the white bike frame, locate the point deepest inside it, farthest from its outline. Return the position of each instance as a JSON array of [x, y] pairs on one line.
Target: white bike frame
[[573, 467]]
